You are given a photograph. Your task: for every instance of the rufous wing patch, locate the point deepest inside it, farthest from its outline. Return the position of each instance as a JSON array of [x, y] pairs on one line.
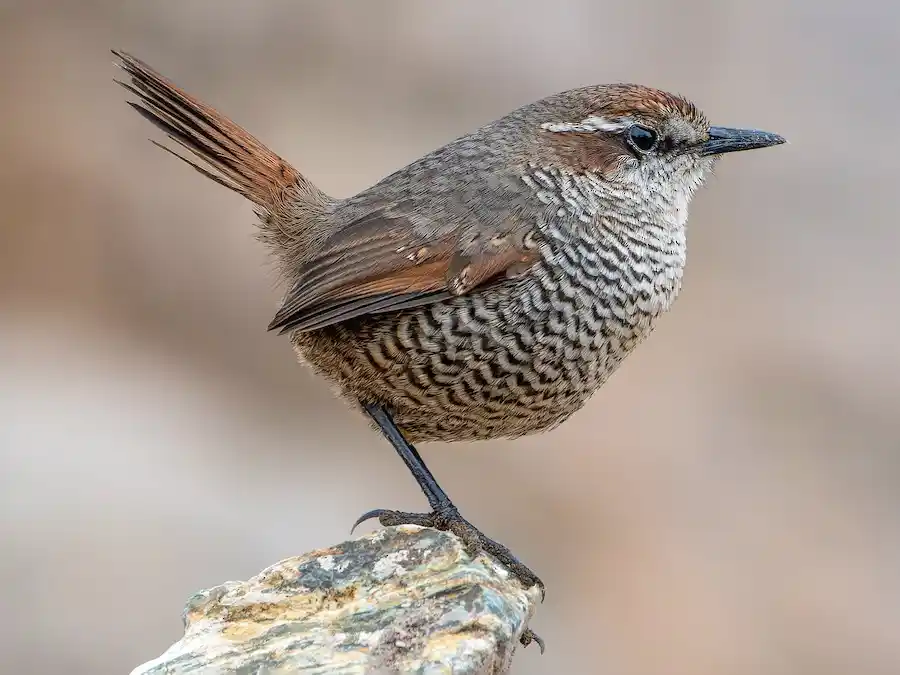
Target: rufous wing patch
[[383, 256]]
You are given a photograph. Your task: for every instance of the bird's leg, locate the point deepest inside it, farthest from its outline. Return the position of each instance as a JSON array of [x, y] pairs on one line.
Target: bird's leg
[[444, 515], [437, 498]]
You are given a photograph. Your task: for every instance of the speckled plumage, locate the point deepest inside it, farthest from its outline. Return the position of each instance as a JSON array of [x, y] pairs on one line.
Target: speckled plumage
[[521, 355], [487, 289]]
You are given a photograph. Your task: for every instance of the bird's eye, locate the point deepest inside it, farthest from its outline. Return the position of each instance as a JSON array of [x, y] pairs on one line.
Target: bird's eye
[[642, 138]]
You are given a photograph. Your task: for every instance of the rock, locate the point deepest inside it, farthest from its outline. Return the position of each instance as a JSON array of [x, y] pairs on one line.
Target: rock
[[401, 600]]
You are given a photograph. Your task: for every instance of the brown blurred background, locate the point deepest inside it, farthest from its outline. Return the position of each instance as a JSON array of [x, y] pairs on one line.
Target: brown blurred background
[[727, 505]]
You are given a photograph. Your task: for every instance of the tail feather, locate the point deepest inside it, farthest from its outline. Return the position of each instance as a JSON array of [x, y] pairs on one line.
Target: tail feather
[[232, 156]]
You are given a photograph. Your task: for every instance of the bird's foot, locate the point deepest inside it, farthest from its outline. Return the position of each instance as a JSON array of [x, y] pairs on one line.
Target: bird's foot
[[448, 519], [530, 636]]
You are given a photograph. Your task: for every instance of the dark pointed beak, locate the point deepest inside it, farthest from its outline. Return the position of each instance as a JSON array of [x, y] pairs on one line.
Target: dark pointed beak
[[723, 139]]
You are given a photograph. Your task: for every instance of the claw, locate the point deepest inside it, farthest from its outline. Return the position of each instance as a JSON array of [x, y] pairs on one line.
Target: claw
[[368, 515], [473, 540], [529, 636]]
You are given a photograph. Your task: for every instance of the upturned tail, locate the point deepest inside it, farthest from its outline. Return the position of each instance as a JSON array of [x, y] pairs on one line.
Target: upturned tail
[[228, 155]]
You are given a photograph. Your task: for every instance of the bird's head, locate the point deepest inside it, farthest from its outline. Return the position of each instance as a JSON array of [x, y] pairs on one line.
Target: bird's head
[[657, 143]]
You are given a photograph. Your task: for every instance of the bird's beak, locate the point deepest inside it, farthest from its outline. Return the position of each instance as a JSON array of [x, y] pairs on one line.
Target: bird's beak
[[723, 139]]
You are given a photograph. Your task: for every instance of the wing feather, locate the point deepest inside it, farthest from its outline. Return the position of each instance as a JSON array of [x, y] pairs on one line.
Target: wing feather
[[390, 259]]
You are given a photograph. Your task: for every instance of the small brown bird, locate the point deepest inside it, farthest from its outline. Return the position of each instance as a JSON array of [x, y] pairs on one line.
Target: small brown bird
[[489, 288]]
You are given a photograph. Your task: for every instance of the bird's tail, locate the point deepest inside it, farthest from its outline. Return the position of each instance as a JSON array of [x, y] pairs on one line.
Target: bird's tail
[[229, 154]]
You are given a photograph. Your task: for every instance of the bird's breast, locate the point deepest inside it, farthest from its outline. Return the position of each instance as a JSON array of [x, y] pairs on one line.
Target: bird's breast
[[517, 355], [597, 293]]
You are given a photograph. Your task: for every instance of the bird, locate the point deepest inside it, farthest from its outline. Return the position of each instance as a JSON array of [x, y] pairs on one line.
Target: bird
[[487, 289]]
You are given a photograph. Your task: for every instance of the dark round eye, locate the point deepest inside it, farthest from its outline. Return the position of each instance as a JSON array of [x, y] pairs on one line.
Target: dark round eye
[[642, 138]]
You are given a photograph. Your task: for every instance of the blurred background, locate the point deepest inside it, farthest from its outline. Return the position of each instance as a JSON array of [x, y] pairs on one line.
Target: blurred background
[[728, 504]]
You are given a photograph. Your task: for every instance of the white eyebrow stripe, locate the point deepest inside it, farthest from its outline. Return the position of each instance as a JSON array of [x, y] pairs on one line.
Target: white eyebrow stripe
[[588, 125]]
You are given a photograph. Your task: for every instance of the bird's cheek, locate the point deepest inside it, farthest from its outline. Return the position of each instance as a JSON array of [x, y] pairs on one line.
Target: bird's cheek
[[625, 169]]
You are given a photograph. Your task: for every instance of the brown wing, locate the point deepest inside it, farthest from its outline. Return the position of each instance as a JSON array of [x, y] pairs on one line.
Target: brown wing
[[390, 260]]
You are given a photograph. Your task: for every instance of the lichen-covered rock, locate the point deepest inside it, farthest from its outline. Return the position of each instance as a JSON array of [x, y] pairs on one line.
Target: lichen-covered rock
[[401, 600]]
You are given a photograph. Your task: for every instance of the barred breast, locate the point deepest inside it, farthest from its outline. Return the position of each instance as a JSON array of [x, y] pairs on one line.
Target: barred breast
[[519, 356]]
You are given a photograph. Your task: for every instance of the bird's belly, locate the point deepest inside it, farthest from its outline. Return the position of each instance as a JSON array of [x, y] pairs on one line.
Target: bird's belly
[[516, 359]]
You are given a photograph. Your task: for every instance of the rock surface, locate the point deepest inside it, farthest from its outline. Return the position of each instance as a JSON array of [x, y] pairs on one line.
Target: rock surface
[[401, 600]]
